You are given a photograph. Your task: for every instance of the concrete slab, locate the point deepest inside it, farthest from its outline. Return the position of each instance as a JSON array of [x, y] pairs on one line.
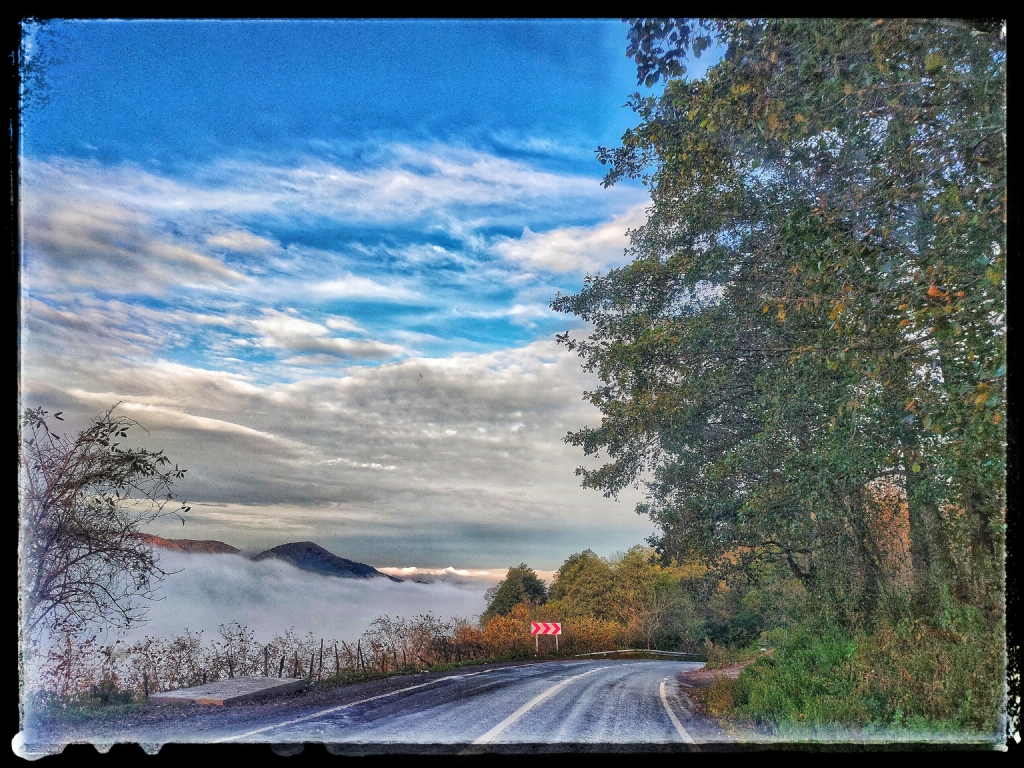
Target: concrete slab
[[229, 691]]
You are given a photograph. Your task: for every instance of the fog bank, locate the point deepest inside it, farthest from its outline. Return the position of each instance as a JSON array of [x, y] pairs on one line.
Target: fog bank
[[271, 596]]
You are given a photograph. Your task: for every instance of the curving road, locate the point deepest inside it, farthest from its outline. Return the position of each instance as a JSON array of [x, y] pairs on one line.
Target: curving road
[[579, 702]]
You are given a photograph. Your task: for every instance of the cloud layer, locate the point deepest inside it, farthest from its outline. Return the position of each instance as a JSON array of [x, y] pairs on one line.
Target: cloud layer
[[271, 597], [450, 461], [353, 349]]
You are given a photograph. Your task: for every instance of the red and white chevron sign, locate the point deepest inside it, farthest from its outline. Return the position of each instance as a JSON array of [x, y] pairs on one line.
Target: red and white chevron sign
[[546, 628]]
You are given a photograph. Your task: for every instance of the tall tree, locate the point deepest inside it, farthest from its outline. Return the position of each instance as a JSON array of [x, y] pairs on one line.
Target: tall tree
[[816, 300], [520, 585], [583, 586]]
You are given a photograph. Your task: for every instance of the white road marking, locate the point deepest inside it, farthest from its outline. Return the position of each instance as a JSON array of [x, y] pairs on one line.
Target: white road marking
[[330, 710], [675, 720], [508, 721]]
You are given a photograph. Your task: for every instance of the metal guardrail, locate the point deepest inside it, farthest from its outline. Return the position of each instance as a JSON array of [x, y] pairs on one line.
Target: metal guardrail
[[641, 650]]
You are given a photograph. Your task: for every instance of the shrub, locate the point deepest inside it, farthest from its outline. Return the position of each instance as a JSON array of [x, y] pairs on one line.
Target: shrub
[[717, 698], [108, 693], [946, 677], [509, 635]]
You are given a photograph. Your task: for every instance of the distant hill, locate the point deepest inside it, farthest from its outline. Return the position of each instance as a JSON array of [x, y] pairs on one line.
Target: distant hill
[[313, 557], [208, 546]]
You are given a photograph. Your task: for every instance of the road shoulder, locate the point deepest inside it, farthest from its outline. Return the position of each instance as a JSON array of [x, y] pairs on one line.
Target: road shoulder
[[697, 689]]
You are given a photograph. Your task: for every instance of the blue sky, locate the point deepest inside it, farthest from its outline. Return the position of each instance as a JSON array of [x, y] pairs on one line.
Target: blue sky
[[314, 259]]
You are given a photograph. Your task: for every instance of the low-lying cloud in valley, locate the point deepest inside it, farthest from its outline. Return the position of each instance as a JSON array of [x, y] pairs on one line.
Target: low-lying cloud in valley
[[272, 596]]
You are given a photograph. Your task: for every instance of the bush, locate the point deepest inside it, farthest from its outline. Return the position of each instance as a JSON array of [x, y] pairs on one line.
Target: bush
[[107, 693], [946, 676], [509, 636], [719, 656], [587, 635], [810, 679], [717, 698]]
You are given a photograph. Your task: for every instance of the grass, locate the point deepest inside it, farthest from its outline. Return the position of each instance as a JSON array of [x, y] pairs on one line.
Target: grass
[[717, 698], [912, 676], [76, 710], [720, 656]]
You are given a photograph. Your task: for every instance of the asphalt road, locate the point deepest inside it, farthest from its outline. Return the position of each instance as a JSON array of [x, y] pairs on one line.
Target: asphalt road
[[579, 702], [517, 707]]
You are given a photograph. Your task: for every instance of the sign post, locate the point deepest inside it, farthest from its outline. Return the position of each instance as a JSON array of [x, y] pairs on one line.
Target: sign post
[[539, 628]]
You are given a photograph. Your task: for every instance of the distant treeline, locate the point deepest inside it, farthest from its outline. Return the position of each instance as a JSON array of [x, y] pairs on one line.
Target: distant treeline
[[634, 600]]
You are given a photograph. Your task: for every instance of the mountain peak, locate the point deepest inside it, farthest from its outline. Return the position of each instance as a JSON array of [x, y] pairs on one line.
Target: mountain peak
[[312, 557]]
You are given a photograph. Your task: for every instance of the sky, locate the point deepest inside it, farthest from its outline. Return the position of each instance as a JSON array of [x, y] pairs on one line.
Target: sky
[[315, 259]]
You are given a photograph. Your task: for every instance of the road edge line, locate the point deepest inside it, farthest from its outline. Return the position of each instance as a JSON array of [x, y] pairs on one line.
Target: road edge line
[[340, 707], [686, 737]]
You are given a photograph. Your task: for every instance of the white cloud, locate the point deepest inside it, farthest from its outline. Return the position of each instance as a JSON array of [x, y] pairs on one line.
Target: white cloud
[[486, 576], [156, 414], [350, 286], [427, 460], [574, 249], [240, 240], [339, 323], [280, 330], [403, 183], [72, 242], [518, 314], [542, 145]]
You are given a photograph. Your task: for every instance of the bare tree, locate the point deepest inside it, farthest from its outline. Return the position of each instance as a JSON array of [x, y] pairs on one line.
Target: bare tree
[[645, 616], [83, 500]]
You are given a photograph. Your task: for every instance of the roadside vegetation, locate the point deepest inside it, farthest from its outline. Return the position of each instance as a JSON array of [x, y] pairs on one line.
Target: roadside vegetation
[[804, 364]]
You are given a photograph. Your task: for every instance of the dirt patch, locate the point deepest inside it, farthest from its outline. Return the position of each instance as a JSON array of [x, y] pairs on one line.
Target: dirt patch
[[705, 678]]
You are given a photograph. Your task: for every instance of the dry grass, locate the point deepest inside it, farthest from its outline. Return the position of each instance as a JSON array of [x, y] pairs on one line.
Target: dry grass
[[712, 687]]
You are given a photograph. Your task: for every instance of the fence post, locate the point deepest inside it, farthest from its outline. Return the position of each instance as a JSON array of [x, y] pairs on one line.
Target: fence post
[[337, 662], [320, 671], [266, 661], [145, 686], [312, 664], [280, 670], [295, 669]]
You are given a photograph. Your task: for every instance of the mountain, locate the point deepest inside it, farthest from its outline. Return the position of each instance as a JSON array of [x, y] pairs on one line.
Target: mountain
[[313, 557], [208, 546]]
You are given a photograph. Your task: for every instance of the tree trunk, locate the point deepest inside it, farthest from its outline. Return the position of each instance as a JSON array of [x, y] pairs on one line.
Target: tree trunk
[[928, 554], [875, 581]]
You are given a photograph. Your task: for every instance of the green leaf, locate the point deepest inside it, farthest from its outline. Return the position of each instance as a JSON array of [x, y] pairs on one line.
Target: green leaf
[[933, 63]]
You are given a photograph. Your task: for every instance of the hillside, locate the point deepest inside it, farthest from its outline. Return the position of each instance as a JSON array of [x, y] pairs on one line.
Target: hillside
[[207, 546], [313, 557]]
